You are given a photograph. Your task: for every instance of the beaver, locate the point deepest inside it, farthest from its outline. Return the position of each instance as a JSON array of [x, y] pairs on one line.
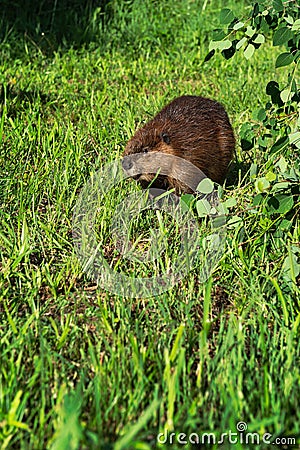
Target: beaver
[[191, 127]]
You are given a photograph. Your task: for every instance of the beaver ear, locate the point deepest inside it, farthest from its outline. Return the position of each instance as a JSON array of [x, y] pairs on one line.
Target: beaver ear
[[165, 137]]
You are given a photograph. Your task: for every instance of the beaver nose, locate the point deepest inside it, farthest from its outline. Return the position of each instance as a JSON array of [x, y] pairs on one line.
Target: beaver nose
[[127, 163]]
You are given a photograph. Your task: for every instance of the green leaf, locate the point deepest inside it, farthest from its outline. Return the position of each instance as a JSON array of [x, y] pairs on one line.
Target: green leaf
[[212, 46], [291, 267], [264, 25], [241, 43], [282, 164], [262, 141], [285, 224], [286, 95], [234, 222], [206, 186], [259, 114], [284, 59], [221, 45], [247, 136], [289, 20], [186, 201], [260, 39], [280, 203], [258, 200], [278, 5], [226, 16], [238, 26], [250, 31], [203, 208], [218, 35], [271, 176], [253, 170], [294, 138], [296, 25], [230, 202], [280, 186], [249, 50], [282, 35], [262, 184]]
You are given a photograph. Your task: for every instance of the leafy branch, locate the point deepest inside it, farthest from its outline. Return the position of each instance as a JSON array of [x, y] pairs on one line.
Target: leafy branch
[[274, 130]]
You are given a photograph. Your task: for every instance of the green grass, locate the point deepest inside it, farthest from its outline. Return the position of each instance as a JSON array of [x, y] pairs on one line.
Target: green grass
[[82, 368]]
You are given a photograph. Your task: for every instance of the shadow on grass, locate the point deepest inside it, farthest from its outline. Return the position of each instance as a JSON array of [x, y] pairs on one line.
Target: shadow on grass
[[17, 99], [52, 24]]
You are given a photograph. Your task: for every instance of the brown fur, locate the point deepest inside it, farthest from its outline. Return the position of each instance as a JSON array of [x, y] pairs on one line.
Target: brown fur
[[190, 127]]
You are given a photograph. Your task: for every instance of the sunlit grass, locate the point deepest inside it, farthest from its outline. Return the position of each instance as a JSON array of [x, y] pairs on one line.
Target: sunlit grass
[[81, 367]]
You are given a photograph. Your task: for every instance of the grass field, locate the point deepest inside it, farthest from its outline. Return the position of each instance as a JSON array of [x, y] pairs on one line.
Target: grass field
[[82, 368]]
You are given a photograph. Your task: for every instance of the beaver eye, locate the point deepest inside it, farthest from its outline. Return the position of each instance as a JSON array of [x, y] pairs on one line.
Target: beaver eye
[[145, 150], [166, 138]]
